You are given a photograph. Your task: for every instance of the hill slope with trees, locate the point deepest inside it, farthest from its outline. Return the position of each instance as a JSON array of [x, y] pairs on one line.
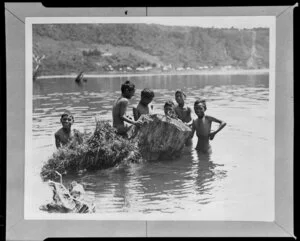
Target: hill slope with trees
[[98, 48]]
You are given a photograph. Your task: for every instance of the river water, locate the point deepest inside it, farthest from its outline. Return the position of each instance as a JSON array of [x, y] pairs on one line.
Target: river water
[[236, 182]]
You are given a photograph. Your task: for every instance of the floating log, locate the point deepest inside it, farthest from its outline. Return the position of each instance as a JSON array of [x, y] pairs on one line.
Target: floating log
[[160, 136]]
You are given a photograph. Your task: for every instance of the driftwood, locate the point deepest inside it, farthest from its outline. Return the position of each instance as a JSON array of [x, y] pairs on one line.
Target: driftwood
[[64, 202], [160, 136], [80, 78], [37, 65]]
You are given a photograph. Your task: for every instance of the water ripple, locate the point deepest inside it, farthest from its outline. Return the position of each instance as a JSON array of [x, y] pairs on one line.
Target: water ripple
[[166, 186]]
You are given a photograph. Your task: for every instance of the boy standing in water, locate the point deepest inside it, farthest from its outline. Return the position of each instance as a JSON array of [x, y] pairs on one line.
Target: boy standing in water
[[183, 113], [169, 109], [120, 107], [202, 126], [65, 134], [142, 108]]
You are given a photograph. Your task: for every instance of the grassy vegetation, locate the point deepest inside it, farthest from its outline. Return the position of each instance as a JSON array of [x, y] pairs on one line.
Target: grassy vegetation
[[102, 150], [73, 47]]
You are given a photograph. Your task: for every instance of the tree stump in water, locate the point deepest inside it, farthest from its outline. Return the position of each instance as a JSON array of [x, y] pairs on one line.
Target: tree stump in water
[[160, 136]]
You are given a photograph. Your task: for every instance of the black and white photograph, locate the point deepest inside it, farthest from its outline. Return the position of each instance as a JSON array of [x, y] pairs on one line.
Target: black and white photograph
[[150, 118]]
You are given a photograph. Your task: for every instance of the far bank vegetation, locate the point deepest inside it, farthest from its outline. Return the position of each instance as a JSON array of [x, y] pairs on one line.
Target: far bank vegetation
[[97, 48]]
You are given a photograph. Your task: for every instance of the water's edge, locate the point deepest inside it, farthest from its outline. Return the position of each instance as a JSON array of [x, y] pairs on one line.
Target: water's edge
[[220, 72]]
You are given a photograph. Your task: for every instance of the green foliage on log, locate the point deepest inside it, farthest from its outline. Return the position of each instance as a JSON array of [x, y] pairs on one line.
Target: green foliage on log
[[102, 150]]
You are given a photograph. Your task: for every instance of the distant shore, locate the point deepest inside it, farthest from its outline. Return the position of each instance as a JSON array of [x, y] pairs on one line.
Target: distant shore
[[185, 72]]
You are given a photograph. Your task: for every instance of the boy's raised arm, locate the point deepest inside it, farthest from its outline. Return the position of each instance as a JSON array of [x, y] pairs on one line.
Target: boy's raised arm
[[221, 126]]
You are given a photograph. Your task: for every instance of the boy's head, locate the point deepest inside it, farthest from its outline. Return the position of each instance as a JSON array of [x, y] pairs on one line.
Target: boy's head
[[67, 120], [73, 184], [128, 89], [147, 96], [200, 107], [169, 108], [180, 97]]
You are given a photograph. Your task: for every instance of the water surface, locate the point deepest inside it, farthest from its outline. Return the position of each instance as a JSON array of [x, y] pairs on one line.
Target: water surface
[[236, 180]]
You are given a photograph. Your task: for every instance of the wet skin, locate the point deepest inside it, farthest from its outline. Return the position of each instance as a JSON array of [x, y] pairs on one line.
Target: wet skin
[[64, 134], [142, 108], [202, 126], [183, 113], [119, 112]]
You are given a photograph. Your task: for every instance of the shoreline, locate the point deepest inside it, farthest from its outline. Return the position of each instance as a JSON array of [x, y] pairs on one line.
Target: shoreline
[[193, 72]]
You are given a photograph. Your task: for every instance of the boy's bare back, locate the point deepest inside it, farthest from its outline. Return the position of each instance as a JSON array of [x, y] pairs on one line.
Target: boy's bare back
[[140, 110], [119, 109]]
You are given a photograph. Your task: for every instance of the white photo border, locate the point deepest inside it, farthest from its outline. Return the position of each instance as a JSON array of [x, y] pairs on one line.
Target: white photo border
[[237, 21]]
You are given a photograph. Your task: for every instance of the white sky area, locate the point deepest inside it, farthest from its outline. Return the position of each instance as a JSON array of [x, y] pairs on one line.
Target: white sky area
[[217, 22], [205, 22]]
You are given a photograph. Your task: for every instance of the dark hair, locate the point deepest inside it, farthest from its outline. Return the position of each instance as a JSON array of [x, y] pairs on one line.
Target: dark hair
[[127, 85], [181, 92], [147, 93], [67, 113], [202, 101], [169, 103]]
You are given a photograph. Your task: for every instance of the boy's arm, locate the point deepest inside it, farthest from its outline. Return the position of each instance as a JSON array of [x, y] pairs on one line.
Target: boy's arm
[[123, 108], [193, 129], [221, 126], [151, 108], [78, 135], [135, 113], [189, 116], [57, 141]]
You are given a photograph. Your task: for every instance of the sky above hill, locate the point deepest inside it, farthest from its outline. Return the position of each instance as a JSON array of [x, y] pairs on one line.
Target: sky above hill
[[206, 22], [217, 22]]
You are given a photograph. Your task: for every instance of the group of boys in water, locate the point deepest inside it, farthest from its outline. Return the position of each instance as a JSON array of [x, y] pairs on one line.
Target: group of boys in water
[[200, 125]]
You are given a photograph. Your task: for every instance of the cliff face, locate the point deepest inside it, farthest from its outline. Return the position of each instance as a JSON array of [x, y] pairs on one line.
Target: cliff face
[[103, 47]]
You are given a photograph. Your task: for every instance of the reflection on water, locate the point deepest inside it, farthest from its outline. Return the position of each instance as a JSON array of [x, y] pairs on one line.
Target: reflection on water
[[188, 183], [157, 186]]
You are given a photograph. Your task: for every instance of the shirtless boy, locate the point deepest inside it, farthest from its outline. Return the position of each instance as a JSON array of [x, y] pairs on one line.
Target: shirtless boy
[[202, 126], [169, 109], [65, 134], [142, 108], [120, 107], [183, 112]]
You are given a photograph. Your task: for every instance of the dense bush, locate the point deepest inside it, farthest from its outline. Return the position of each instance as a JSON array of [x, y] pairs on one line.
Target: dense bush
[[94, 52], [102, 150]]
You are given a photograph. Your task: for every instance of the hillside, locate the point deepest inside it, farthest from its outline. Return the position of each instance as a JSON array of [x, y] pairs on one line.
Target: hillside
[[100, 48]]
